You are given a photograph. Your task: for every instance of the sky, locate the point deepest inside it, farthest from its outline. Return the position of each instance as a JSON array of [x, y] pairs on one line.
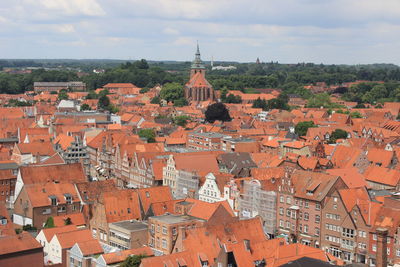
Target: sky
[[287, 31]]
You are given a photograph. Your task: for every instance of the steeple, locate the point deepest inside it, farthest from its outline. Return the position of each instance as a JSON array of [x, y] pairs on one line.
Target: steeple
[[197, 63]]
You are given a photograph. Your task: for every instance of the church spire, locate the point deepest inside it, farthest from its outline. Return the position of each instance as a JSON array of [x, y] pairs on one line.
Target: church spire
[[197, 62]]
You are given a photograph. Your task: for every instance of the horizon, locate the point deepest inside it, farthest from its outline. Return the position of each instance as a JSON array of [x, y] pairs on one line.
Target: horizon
[[352, 32], [205, 61]]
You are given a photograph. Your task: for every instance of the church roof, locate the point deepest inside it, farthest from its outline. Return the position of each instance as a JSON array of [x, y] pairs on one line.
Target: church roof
[[198, 80]]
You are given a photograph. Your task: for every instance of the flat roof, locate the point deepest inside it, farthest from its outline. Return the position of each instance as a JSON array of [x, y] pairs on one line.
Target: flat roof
[[173, 219], [131, 225]]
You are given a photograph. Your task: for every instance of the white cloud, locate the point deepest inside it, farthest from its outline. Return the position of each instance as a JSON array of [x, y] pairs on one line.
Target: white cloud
[[73, 7], [170, 31]]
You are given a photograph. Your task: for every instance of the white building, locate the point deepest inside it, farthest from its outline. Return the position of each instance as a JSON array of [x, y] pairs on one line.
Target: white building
[[45, 235], [210, 192]]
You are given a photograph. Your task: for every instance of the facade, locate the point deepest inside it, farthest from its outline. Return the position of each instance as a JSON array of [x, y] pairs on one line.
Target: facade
[[75, 152], [205, 140], [36, 203], [8, 178], [344, 230], [240, 144], [57, 86], [198, 88], [84, 254], [209, 191], [163, 230], [301, 197], [259, 201], [128, 234]]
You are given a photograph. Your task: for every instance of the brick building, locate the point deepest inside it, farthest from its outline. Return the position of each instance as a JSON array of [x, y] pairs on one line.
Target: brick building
[[198, 88], [57, 86]]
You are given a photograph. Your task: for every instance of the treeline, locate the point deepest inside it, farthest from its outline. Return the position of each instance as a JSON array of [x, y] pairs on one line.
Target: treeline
[[373, 93], [289, 77]]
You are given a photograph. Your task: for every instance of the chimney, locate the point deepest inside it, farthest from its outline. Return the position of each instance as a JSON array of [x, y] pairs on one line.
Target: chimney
[[381, 252]]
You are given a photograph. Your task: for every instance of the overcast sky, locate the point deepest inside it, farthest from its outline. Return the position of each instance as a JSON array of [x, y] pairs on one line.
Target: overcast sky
[[288, 31]]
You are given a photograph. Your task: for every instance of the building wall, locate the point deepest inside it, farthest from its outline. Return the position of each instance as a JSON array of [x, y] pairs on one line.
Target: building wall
[[32, 258], [256, 201], [209, 191], [162, 236]]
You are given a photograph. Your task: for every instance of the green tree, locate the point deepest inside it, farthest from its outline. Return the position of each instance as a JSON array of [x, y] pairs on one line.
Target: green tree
[[92, 95], [217, 111], [104, 102], [49, 223], [337, 134], [133, 261], [155, 100], [62, 95], [232, 99], [67, 221], [171, 92], [320, 100], [302, 127], [85, 107], [144, 90], [181, 120], [180, 102], [355, 114], [148, 134], [260, 103]]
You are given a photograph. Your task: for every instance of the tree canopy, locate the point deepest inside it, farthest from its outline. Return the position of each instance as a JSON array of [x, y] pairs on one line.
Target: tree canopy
[[133, 261], [217, 111], [302, 127], [148, 134], [171, 92]]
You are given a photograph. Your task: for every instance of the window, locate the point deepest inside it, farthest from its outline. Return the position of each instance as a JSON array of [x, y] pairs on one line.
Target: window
[[152, 228], [316, 231], [129, 210], [317, 218], [374, 236], [306, 228], [287, 224], [374, 248], [281, 199], [317, 206], [346, 232], [280, 211], [335, 206], [164, 243], [288, 200], [53, 200], [397, 252], [281, 224], [68, 198], [306, 216], [164, 230], [288, 212]]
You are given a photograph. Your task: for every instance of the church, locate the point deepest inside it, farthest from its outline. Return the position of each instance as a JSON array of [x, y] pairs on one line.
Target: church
[[198, 88]]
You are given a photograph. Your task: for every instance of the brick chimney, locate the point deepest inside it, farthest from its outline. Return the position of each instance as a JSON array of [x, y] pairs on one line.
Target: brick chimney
[[381, 252]]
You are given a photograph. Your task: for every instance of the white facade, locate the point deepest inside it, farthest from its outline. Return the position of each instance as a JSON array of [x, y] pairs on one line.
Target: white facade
[[41, 238], [54, 251], [170, 174], [21, 220], [210, 192]]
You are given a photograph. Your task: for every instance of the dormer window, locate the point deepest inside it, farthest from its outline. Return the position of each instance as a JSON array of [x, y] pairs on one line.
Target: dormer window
[[53, 200], [68, 198]]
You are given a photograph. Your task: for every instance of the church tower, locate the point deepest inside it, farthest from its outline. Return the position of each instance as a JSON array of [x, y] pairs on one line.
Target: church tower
[[197, 64], [198, 88]]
